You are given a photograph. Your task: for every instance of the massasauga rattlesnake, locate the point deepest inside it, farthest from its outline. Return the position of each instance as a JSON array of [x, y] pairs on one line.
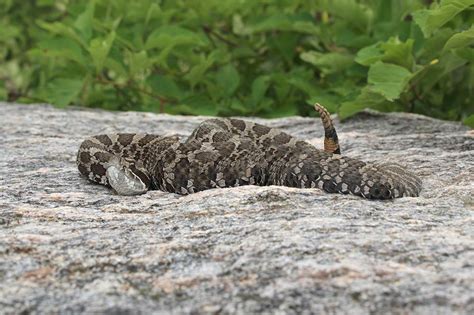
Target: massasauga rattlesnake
[[232, 152]]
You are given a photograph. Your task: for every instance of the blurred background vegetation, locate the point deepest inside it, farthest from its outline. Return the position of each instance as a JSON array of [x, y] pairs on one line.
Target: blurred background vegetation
[[265, 58]]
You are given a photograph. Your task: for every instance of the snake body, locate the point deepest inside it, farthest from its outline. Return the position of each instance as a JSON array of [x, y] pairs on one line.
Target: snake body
[[223, 152]]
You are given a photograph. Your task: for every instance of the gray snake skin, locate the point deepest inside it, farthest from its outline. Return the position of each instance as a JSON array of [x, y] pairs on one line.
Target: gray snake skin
[[225, 152]]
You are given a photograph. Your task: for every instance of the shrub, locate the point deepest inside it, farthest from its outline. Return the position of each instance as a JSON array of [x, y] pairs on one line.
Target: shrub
[[241, 57]]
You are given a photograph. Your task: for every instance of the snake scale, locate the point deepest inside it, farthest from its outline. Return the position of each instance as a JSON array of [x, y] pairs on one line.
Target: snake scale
[[223, 152]]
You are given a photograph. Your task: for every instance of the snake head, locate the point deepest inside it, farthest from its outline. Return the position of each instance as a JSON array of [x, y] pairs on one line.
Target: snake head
[[126, 178]]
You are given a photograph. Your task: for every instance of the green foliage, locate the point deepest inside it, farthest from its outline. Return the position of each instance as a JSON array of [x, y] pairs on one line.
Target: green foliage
[[389, 86], [241, 57]]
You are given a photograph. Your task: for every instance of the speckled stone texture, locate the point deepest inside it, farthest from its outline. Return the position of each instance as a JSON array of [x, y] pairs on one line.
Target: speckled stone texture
[[69, 246]]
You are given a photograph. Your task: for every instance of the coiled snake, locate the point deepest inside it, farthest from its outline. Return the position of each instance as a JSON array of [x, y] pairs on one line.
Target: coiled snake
[[225, 152]]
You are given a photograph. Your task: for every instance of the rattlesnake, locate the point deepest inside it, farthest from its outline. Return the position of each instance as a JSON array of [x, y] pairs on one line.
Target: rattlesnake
[[224, 152]]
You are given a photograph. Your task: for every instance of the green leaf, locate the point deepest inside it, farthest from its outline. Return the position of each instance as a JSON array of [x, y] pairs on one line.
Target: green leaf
[[238, 108], [197, 72], [305, 27], [302, 84], [388, 79], [350, 11], [398, 52], [228, 80], [62, 29], [138, 63], [469, 121], [279, 110], [430, 20], [465, 53], [116, 68], [165, 86], [391, 51], [284, 45], [330, 62], [8, 31], [280, 86], [62, 91], [153, 11], [446, 64], [460, 40], [366, 99], [433, 45], [278, 22], [83, 22], [99, 49], [171, 36], [195, 105], [369, 55], [61, 48], [282, 22], [259, 88]]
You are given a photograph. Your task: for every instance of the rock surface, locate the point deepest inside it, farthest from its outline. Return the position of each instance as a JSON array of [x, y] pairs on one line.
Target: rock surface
[[67, 245]]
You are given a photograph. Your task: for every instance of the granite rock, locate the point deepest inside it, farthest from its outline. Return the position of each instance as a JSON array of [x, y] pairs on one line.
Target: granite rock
[[70, 246]]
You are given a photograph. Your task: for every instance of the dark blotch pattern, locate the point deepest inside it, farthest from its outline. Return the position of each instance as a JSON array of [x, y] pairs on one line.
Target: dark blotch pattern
[[125, 139], [282, 138], [238, 124], [98, 169], [228, 152], [104, 139], [85, 157], [261, 130]]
